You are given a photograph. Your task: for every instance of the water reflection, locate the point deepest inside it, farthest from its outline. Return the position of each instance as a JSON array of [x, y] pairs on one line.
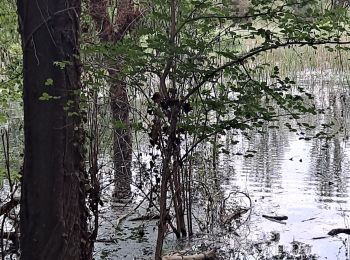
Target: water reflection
[[328, 170], [306, 180]]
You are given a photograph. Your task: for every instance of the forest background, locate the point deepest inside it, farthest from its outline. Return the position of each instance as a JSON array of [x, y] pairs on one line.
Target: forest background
[[122, 94]]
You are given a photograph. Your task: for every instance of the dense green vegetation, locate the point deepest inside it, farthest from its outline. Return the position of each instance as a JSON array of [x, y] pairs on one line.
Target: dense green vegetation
[[179, 74]]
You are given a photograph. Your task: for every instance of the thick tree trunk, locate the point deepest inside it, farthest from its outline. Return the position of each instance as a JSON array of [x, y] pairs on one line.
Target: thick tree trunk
[[113, 32], [122, 139], [53, 213]]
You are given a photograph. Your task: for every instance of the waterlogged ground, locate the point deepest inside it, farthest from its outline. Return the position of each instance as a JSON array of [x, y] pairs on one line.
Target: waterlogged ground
[[305, 180], [308, 181], [308, 187]]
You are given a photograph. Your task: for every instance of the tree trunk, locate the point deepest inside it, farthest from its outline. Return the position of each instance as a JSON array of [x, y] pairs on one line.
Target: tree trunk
[[122, 139], [167, 173], [111, 32], [53, 213]]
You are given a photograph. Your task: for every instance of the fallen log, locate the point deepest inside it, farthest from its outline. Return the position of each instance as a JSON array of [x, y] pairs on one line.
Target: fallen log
[[277, 219], [337, 231], [235, 215], [309, 219], [317, 238], [210, 255]]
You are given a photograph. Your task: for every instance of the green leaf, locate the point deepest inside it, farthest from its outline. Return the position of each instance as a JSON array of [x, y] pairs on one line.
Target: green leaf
[[120, 125], [45, 97], [49, 82]]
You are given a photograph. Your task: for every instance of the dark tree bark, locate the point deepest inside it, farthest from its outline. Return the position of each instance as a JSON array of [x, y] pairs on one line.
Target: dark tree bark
[[122, 139], [53, 213], [111, 32]]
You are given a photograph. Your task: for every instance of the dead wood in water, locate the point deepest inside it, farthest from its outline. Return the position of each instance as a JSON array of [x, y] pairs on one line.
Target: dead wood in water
[[309, 219], [337, 231], [277, 219], [235, 215], [210, 255], [318, 238], [145, 217]]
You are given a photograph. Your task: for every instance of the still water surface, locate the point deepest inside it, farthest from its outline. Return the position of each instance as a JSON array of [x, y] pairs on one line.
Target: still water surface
[[308, 181]]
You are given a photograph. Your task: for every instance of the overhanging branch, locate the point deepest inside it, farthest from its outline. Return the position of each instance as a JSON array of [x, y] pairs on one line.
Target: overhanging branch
[[252, 53]]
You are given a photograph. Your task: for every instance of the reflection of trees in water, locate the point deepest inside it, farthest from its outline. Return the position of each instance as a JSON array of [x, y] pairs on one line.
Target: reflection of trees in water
[[327, 171], [264, 168], [328, 167]]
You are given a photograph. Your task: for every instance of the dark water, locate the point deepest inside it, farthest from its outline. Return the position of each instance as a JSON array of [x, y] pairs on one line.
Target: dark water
[[308, 181]]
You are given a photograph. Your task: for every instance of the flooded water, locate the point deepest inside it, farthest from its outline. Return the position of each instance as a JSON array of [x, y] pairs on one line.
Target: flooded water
[[290, 174], [308, 181], [295, 179]]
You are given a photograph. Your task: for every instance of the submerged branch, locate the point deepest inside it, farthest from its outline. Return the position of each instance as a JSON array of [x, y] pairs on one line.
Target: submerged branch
[[277, 219], [203, 256], [337, 231]]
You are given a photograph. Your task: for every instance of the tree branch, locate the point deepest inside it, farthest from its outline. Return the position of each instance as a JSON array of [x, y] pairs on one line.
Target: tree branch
[[252, 53], [127, 16]]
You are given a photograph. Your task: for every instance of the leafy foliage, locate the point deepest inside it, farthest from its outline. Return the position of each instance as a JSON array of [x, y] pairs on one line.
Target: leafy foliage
[[10, 61], [211, 67], [194, 67]]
